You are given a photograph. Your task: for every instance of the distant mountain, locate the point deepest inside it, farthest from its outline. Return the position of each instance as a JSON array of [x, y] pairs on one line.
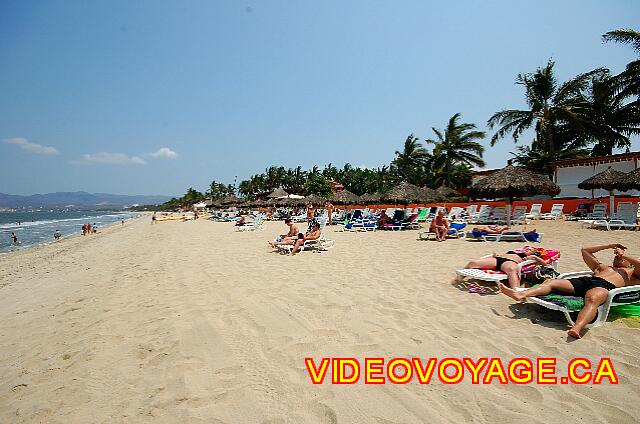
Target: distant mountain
[[78, 200]]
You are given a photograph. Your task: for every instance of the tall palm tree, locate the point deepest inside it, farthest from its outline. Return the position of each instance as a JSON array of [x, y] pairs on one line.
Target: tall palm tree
[[609, 120], [628, 81], [411, 162], [456, 145], [549, 106]]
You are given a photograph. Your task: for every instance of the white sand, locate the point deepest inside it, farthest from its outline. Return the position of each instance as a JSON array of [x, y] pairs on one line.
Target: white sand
[[192, 322]]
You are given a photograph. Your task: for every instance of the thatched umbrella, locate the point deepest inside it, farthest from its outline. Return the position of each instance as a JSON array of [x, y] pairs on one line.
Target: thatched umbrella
[[445, 191], [632, 181], [279, 192], [608, 180], [344, 197], [513, 181], [315, 200], [407, 193], [371, 198], [231, 200]]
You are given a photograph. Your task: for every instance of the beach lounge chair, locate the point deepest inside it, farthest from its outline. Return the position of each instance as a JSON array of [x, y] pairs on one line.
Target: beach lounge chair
[[256, 224], [422, 216], [626, 218], [455, 231], [571, 305], [483, 215], [471, 210], [519, 215], [321, 243], [535, 212], [555, 213], [396, 221], [599, 213], [524, 267]]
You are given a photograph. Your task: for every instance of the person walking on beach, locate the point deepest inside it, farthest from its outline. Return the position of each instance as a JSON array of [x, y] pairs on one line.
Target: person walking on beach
[[153, 218], [624, 271], [14, 238]]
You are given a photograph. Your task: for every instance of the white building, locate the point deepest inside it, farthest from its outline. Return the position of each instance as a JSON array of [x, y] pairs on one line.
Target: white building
[[569, 173]]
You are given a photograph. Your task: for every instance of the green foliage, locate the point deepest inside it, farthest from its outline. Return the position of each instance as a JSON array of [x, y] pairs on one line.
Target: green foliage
[[318, 185]]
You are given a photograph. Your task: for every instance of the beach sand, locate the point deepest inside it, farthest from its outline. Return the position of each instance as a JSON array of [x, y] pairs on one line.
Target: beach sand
[[191, 322]]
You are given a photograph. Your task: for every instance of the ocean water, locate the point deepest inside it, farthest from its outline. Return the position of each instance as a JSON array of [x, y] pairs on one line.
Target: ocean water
[[37, 227]]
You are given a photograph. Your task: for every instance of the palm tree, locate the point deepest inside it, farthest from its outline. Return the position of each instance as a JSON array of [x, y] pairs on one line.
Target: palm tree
[[411, 162], [608, 119], [457, 145], [549, 106]]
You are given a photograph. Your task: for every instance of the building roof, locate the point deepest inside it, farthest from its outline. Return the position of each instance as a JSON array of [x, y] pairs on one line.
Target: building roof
[[596, 160]]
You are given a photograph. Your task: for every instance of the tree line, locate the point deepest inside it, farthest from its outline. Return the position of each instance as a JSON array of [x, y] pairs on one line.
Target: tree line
[[591, 114]]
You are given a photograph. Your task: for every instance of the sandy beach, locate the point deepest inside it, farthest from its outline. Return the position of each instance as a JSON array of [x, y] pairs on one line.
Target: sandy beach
[[191, 322]]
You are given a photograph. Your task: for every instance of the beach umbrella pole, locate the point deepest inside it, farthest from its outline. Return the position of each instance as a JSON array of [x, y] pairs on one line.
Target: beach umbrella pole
[[611, 204]]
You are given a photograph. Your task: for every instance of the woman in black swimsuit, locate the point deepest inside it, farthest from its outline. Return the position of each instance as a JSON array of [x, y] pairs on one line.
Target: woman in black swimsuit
[[508, 263]]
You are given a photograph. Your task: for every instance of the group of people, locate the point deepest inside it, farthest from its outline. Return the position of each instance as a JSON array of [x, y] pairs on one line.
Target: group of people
[[88, 228], [295, 238], [623, 271]]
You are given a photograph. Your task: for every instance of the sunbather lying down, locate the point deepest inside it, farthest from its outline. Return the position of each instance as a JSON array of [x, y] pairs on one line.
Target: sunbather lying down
[[298, 241], [625, 271], [508, 263], [491, 229]]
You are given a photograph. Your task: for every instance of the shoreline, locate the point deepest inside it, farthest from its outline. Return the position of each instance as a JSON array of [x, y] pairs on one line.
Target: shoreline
[[44, 244]]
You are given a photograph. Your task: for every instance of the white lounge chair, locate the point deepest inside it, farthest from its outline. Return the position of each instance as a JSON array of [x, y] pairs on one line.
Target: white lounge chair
[[524, 267], [599, 213], [256, 224], [626, 217], [619, 296], [555, 213], [519, 215], [535, 212]]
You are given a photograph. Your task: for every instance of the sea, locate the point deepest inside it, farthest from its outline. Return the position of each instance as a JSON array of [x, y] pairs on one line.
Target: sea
[[37, 227]]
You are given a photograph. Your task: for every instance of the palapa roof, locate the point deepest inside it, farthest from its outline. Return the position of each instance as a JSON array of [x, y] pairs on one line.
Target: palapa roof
[[632, 180], [230, 200], [345, 197], [279, 192], [315, 200], [514, 181], [409, 193], [445, 191], [608, 180], [370, 198]]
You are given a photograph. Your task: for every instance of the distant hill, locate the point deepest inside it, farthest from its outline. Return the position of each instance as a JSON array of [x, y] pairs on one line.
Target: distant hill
[[78, 200]]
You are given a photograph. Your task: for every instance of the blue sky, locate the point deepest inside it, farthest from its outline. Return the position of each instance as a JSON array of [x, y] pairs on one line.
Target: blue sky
[[152, 97]]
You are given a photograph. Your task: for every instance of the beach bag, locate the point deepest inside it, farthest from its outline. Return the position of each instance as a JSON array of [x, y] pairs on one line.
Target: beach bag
[[541, 274]]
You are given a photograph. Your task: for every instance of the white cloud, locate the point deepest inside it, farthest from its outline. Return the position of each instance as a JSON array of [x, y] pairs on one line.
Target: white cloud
[[164, 152], [108, 158], [30, 147]]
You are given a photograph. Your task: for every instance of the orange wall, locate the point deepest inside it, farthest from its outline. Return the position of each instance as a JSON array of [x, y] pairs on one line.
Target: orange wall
[[570, 205]]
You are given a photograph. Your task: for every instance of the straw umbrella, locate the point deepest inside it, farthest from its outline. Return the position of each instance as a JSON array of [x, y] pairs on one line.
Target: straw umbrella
[[445, 191], [315, 200], [232, 199], [632, 181], [406, 193], [279, 192], [371, 198], [607, 180], [344, 197], [513, 181]]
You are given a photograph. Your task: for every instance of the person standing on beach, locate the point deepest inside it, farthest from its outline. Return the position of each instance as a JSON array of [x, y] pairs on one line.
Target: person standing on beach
[[310, 213], [88, 228], [153, 218], [329, 207], [14, 238], [56, 235]]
